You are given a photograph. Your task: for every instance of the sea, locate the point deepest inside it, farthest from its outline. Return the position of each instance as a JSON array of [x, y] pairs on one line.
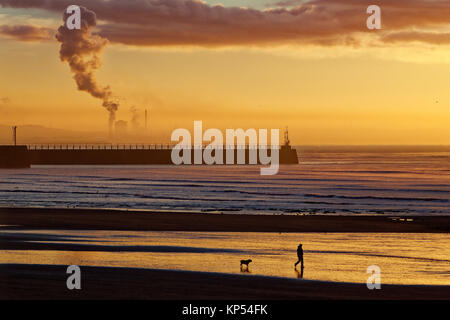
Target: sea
[[379, 183]]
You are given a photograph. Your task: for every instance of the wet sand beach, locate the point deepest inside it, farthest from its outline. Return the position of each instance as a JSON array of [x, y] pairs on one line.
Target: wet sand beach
[[31, 279], [103, 219]]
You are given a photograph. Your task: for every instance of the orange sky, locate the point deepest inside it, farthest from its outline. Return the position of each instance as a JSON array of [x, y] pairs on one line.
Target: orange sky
[[376, 92]]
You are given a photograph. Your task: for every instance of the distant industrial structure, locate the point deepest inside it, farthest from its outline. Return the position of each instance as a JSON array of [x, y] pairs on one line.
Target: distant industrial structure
[[121, 128], [146, 120], [14, 128]]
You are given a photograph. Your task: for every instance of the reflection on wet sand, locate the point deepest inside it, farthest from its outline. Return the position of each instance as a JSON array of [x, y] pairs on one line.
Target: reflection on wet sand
[[299, 274], [343, 257]]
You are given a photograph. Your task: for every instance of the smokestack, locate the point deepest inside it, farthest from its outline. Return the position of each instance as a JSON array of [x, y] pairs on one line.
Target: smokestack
[[14, 135], [110, 129], [145, 120], [81, 50]]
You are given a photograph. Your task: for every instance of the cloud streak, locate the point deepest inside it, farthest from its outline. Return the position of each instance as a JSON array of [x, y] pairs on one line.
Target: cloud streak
[[196, 23], [414, 36], [27, 33]]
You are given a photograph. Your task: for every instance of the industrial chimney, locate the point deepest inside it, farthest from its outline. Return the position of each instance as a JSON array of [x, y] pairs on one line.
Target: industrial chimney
[[145, 120], [14, 128]]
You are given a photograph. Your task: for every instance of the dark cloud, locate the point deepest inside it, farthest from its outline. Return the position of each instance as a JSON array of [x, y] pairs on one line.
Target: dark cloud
[[194, 22]]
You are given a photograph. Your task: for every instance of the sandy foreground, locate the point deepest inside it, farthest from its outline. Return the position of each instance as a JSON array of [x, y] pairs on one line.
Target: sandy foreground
[[49, 282], [23, 281]]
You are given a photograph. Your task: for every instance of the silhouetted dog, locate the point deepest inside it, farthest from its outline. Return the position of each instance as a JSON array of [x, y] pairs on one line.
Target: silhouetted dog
[[245, 262]]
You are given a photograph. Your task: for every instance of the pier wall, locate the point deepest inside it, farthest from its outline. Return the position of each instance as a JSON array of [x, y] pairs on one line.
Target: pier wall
[[14, 157], [22, 157]]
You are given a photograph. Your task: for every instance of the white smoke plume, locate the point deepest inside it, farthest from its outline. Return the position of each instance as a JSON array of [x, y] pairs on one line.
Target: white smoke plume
[[81, 50]]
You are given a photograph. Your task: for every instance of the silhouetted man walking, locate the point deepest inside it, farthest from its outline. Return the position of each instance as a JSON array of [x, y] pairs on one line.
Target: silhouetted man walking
[[299, 255]]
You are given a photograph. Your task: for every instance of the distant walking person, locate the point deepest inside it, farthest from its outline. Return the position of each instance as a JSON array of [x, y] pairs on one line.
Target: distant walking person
[[299, 255]]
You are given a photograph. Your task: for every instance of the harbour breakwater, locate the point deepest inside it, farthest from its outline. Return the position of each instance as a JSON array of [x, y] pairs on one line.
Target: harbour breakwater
[[25, 156]]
